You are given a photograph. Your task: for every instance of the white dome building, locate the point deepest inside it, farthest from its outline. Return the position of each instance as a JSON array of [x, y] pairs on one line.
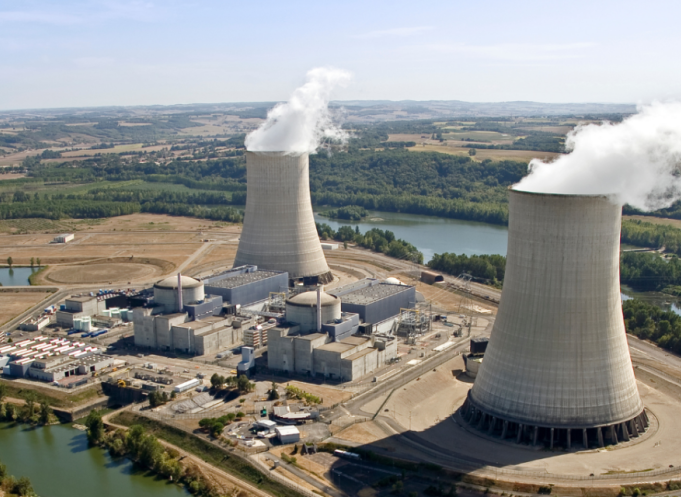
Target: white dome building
[[165, 292], [302, 309]]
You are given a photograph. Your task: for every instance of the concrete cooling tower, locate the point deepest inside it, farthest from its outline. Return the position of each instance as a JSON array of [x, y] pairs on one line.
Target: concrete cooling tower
[[279, 230], [557, 369]]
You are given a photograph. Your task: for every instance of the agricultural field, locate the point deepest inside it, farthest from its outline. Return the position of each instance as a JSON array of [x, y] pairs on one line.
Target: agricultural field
[[14, 302], [482, 154]]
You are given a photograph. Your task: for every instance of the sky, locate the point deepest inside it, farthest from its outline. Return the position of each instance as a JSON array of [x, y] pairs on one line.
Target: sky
[[96, 53]]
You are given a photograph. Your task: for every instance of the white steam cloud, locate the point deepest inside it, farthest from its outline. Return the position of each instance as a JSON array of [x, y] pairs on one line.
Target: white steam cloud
[[304, 122], [635, 162]]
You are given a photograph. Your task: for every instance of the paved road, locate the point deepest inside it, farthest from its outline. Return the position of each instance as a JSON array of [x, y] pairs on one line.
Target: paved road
[[304, 476]]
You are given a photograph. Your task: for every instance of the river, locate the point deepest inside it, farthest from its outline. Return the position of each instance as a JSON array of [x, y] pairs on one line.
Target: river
[[59, 463], [433, 235]]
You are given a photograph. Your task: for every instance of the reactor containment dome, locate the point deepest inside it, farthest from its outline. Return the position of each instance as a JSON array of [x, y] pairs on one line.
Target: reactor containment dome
[[279, 230], [557, 369]]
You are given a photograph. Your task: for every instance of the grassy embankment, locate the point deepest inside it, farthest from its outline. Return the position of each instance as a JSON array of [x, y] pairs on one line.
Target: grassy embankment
[[54, 399]]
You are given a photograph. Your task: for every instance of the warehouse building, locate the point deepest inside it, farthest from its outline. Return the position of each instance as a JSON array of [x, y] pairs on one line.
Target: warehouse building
[[78, 307], [375, 300], [246, 284], [64, 238], [59, 367]]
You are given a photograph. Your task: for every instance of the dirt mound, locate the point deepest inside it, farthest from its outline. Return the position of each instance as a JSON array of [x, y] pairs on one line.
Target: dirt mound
[[102, 273]]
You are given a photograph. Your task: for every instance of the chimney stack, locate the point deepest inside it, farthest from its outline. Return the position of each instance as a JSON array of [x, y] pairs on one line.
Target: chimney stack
[[180, 306]]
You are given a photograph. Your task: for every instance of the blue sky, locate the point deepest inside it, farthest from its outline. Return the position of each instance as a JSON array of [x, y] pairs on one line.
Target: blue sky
[[72, 53]]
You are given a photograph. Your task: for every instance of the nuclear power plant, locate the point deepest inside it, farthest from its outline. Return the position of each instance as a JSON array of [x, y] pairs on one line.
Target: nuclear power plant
[[279, 231], [557, 369]]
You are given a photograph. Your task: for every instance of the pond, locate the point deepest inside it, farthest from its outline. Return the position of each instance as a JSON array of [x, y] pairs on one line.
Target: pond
[[16, 276], [59, 463]]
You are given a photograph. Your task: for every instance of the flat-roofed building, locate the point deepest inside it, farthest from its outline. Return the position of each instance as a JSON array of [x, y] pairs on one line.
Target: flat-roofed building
[[375, 300], [315, 354], [246, 284]]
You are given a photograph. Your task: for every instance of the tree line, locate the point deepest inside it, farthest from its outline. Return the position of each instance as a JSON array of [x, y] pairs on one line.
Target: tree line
[[487, 267], [375, 239], [657, 236], [146, 450]]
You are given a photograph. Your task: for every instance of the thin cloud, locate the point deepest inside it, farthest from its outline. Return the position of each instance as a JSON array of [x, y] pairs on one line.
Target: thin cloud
[[396, 32], [36, 17], [109, 10], [516, 51]]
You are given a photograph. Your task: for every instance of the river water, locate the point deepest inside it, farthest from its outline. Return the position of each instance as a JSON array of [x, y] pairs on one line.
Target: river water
[[59, 463], [433, 235]]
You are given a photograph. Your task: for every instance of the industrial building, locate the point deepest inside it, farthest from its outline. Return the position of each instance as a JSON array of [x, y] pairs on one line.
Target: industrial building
[[56, 368], [199, 328], [175, 332], [557, 369], [246, 284], [64, 238], [78, 307], [51, 360], [288, 434], [319, 339], [375, 300], [279, 231]]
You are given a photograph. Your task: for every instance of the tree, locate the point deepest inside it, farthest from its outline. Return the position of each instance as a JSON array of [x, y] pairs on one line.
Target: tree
[[95, 427], [45, 412], [243, 384], [472, 152], [32, 262], [133, 439], [23, 487], [30, 399], [10, 261], [273, 394], [217, 381], [38, 261], [3, 392], [10, 412], [216, 429]]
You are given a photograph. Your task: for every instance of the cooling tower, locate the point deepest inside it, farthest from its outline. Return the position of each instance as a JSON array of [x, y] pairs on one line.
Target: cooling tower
[[279, 230], [557, 369]]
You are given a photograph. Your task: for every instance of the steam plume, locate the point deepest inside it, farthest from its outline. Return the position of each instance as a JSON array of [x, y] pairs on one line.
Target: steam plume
[[302, 123], [635, 162]]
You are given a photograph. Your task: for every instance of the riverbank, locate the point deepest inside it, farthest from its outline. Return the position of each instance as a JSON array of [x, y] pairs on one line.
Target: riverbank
[[224, 462]]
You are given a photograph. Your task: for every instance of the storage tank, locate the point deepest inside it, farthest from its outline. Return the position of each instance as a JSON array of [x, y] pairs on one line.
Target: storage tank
[[302, 309], [165, 292], [557, 368], [279, 231]]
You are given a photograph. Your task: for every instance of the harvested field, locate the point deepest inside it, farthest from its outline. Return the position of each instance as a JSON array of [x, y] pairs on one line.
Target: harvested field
[[676, 223], [101, 273], [517, 155], [14, 303]]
